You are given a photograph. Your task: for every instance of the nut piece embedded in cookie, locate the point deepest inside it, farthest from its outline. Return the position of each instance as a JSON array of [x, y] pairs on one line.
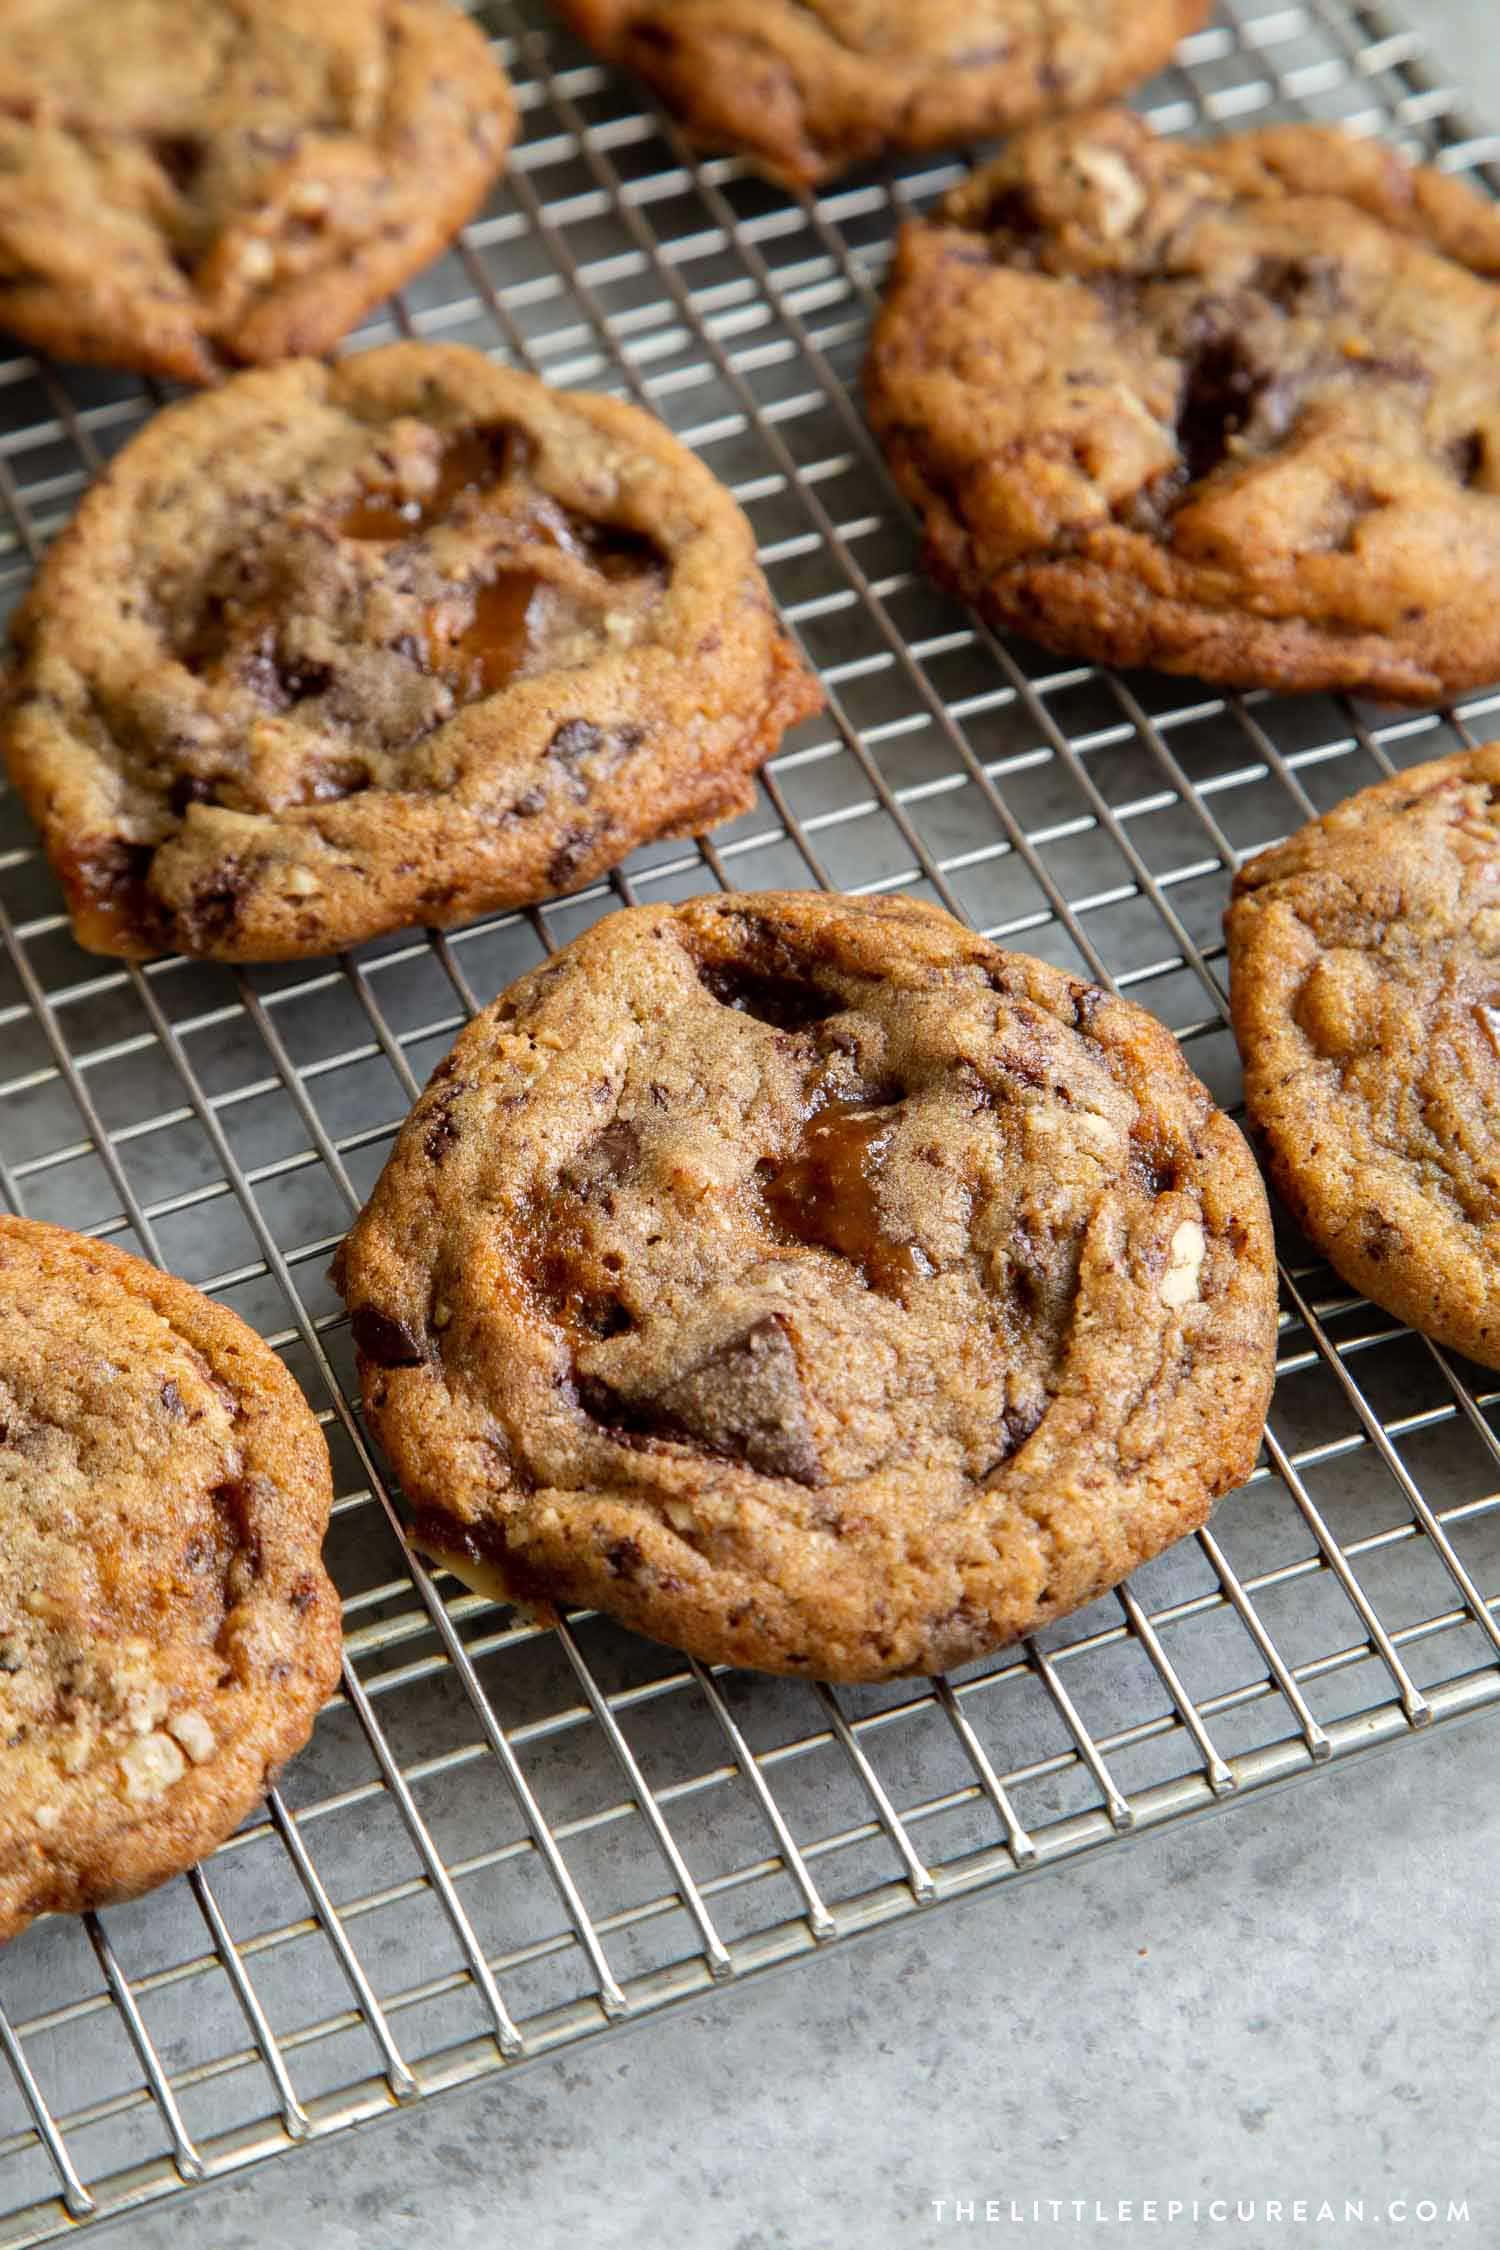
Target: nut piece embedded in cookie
[[167, 1629], [812, 1286], [808, 87], [189, 183], [1228, 409], [1364, 957], [329, 651]]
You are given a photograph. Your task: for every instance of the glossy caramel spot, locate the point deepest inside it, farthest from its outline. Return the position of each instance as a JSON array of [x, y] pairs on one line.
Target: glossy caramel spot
[[475, 461], [827, 1194], [491, 649]]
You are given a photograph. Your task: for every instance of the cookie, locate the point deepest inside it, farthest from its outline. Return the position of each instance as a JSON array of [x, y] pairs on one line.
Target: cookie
[[185, 184], [805, 88], [167, 1629], [1229, 410], [812, 1286], [334, 650], [1364, 960]]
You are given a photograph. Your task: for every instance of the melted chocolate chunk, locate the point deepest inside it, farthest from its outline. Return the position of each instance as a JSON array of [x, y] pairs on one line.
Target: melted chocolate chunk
[[381, 1337], [1221, 388], [787, 1003]]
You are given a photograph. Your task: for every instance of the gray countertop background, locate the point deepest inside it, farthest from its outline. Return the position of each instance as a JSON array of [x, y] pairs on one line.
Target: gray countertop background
[[1295, 2001]]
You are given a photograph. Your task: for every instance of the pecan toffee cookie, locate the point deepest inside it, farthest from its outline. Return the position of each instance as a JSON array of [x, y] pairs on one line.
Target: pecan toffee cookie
[[1229, 410], [813, 1286], [1365, 979], [185, 183], [330, 651], [807, 87], [167, 1630]]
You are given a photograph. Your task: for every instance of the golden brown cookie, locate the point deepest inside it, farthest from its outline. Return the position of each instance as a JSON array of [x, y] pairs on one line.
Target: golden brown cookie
[[331, 651], [812, 1286], [167, 1629], [808, 87], [1231, 410], [1364, 959], [189, 183]]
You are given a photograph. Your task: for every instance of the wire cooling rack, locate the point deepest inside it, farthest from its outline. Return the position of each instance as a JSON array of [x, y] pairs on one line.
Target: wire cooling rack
[[501, 1841]]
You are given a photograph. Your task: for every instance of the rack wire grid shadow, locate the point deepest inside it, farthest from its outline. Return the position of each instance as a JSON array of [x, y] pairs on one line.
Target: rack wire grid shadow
[[503, 1840]]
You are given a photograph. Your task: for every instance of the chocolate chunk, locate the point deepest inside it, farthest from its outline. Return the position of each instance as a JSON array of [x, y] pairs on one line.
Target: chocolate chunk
[[1301, 284], [1012, 210], [620, 554], [381, 1337], [573, 853], [180, 156], [1220, 389], [440, 1131], [301, 681], [605, 748], [573, 740], [788, 1003], [1017, 1424], [1467, 455], [745, 1402], [211, 911], [1087, 1000], [189, 789], [1383, 1239], [171, 1399]]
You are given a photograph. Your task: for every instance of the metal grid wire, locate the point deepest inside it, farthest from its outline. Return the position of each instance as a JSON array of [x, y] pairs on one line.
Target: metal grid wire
[[501, 1840]]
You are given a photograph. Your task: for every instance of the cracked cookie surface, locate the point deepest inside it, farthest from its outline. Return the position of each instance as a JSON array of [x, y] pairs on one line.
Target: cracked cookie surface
[[807, 88], [186, 184], [1365, 982], [812, 1286], [331, 651], [167, 1629], [1231, 410]]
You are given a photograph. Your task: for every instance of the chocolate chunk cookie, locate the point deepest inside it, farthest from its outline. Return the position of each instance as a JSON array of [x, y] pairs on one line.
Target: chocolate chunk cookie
[[167, 1629], [186, 183], [808, 87], [1365, 977], [330, 651], [813, 1286], [1229, 410]]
